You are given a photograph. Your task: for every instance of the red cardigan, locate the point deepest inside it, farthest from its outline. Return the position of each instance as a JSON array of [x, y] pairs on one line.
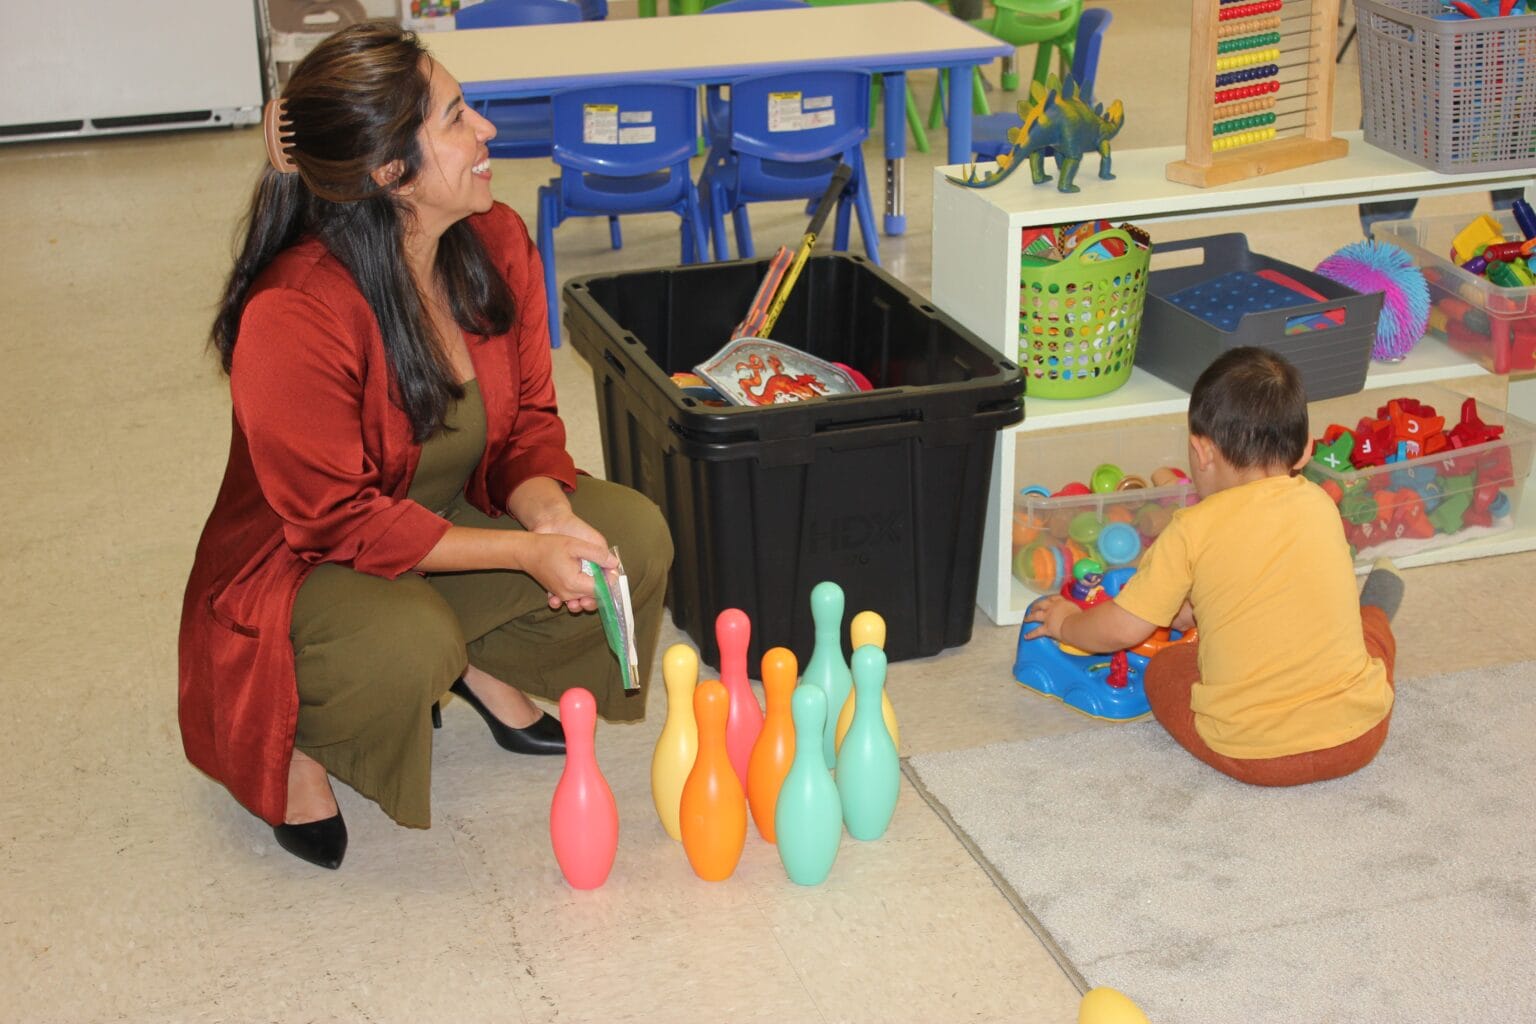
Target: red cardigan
[[320, 461]]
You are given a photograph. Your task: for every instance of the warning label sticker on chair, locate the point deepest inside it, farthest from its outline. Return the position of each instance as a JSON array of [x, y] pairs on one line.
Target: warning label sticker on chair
[[600, 124], [796, 112], [635, 127]]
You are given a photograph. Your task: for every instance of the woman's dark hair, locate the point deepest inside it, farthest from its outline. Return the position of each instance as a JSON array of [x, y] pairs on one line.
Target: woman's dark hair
[[1251, 404], [356, 103]]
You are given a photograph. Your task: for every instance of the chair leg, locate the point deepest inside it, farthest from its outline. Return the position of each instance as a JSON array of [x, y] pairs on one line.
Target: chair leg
[[744, 248], [700, 235], [613, 233], [695, 249], [940, 95], [915, 123], [867, 230], [1009, 78], [549, 214], [840, 231], [1043, 62], [713, 199], [979, 93]]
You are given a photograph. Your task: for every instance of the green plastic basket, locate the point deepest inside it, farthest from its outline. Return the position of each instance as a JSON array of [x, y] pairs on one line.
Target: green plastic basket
[[1079, 319]]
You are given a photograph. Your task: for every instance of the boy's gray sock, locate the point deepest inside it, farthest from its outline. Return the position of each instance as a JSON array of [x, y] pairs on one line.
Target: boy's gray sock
[[1383, 587]]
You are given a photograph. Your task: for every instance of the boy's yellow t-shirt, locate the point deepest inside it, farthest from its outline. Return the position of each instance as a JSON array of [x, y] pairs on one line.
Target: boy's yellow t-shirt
[[1283, 664]]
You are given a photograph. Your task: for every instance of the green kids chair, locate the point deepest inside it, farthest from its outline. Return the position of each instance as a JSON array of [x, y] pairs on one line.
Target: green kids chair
[[1049, 25]]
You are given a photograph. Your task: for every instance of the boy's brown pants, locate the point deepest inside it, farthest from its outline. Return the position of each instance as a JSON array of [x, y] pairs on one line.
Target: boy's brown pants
[[1174, 671]]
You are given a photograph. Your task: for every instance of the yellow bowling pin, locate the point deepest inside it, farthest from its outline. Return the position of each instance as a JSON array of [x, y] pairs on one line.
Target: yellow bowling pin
[[678, 744], [867, 628], [1109, 1006]]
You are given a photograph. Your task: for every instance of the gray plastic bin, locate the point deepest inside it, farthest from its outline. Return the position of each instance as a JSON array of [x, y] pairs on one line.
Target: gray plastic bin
[[1177, 345], [1456, 95]]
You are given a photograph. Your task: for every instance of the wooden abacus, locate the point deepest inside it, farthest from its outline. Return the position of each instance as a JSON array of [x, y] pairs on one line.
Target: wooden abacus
[[1260, 89]]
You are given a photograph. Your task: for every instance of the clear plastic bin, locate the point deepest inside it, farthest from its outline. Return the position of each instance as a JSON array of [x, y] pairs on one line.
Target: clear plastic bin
[[1432, 501], [1114, 525], [1494, 325]]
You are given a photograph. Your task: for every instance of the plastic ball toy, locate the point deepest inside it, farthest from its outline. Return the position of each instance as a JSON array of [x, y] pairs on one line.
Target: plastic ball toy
[[1119, 543], [1109, 1006], [1106, 478], [1085, 528]]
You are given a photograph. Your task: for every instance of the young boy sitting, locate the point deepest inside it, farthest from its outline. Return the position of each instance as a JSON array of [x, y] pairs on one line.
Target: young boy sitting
[[1290, 680]]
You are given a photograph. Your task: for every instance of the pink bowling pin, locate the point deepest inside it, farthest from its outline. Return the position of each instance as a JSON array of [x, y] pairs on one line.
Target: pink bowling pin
[[583, 818], [732, 632]]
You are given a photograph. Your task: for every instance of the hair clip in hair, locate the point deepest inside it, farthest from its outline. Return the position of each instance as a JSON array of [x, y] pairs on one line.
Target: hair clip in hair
[[277, 129]]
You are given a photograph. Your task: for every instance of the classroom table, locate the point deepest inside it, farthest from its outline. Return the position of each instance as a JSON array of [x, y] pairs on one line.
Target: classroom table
[[889, 39]]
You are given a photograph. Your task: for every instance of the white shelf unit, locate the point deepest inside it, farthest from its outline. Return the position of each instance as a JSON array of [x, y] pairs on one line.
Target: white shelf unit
[[976, 280]]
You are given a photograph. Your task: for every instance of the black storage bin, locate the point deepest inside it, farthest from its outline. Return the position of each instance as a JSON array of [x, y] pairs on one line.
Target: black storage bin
[[883, 492], [1177, 345]]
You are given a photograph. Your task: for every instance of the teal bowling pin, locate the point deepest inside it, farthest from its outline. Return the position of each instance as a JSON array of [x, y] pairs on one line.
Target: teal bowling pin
[[808, 818], [827, 669], [868, 775]]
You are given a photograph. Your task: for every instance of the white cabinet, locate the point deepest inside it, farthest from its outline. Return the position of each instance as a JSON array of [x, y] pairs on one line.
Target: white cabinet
[[976, 280]]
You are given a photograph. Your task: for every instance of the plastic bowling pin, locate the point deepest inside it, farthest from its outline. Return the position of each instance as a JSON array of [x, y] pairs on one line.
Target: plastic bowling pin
[[1109, 1006], [868, 775], [867, 628], [808, 818], [775, 748], [583, 818], [679, 739], [827, 669], [713, 807], [732, 632]]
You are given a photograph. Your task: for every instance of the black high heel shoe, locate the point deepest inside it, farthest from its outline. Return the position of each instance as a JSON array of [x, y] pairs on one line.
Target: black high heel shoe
[[322, 843], [544, 736]]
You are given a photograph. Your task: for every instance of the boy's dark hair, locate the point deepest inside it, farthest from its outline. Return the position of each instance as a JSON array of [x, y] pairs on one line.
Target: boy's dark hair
[[1251, 404]]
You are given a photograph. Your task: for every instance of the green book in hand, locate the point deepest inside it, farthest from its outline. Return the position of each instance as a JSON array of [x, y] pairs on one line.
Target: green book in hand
[[618, 614]]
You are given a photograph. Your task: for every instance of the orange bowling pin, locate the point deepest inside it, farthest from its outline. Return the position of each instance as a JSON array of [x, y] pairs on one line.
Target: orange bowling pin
[[714, 806], [774, 751], [867, 628]]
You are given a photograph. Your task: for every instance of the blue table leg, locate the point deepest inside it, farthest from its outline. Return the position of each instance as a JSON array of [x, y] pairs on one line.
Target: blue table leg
[[959, 114], [895, 86]]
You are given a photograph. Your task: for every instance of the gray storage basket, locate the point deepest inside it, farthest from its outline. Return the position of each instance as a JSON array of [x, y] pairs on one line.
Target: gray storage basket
[[1177, 345], [1454, 96]]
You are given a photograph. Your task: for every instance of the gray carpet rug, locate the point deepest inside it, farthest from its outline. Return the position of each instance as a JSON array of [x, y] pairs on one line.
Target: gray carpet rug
[[1404, 893]]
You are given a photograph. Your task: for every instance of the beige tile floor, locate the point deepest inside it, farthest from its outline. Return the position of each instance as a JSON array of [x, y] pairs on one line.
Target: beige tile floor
[[134, 889]]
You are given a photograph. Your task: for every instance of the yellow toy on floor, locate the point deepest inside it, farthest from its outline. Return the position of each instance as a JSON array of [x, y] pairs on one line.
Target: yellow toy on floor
[[1108, 1006]]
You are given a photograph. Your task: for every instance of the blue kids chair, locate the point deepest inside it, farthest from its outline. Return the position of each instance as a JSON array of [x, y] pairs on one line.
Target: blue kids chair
[[788, 132], [717, 109], [989, 134], [621, 149], [524, 127], [496, 13]]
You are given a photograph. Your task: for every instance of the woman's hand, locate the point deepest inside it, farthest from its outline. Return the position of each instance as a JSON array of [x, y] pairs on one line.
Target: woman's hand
[[567, 523], [554, 559], [541, 505], [573, 529], [1184, 620]]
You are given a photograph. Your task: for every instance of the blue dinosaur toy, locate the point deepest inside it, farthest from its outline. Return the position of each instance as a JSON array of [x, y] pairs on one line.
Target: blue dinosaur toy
[[1057, 120]]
